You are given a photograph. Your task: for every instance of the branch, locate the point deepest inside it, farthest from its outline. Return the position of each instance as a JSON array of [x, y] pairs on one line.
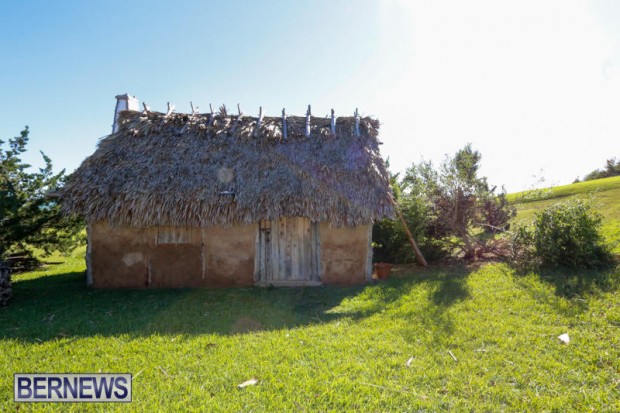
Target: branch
[[494, 227]]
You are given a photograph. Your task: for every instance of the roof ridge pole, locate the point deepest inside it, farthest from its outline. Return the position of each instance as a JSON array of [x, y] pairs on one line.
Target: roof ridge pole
[[259, 121], [357, 123], [333, 123], [236, 124], [194, 110], [170, 109], [212, 115], [240, 114], [308, 114], [284, 131]]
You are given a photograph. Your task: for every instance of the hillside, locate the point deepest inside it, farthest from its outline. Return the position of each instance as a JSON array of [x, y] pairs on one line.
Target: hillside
[[588, 187], [605, 194]]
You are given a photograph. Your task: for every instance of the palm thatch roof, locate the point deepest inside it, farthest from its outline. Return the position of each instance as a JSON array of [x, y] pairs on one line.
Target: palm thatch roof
[[203, 170]]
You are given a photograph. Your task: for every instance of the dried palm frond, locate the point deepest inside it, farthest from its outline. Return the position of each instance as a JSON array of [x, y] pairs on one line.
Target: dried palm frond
[[202, 171]]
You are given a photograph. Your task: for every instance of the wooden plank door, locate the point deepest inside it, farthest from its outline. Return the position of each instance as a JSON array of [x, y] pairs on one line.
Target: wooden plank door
[[288, 252]]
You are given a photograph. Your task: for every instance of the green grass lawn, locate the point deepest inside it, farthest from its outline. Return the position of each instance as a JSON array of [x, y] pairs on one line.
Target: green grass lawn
[[325, 349], [605, 194]]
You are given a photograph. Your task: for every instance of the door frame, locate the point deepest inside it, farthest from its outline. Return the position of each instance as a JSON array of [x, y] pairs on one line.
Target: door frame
[[264, 257]]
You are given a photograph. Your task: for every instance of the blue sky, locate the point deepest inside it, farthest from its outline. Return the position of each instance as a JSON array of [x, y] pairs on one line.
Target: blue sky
[[534, 85]]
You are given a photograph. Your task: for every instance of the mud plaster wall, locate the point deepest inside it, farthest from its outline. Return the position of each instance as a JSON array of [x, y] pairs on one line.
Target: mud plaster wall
[[344, 254], [172, 257]]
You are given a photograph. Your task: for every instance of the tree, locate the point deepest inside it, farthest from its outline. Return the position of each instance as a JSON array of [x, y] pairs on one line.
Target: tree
[[612, 168], [465, 212], [28, 216]]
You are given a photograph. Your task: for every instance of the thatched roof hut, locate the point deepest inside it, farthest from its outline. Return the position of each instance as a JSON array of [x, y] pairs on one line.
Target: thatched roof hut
[[197, 171]]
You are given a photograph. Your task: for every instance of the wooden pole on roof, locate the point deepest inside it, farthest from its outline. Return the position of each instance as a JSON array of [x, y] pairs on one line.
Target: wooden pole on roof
[[333, 123], [416, 251], [259, 121], [171, 108], [212, 117], [357, 123], [194, 109], [238, 121], [308, 114], [284, 129]]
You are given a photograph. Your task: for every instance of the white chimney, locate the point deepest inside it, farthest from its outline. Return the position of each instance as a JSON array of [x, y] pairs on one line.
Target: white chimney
[[124, 102]]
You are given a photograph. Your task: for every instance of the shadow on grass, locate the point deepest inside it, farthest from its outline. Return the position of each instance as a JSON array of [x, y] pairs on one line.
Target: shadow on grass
[[429, 296], [451, 288], [571, 282], [571, 287], [49, 307]]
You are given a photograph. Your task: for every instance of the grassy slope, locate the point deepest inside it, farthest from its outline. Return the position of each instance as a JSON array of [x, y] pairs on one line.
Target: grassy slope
[[604, 192], [598, 185], [338, 349]]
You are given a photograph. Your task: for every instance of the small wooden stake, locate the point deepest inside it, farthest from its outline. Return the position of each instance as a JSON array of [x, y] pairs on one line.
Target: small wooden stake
[[333, 123], [357, 123], [284, 130]]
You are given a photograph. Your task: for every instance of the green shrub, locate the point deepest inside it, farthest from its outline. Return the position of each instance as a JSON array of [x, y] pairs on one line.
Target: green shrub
[[565, 234]]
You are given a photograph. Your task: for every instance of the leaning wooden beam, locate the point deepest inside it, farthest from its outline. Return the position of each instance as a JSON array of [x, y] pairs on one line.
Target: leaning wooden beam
[[147, 109], [414, 245]]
